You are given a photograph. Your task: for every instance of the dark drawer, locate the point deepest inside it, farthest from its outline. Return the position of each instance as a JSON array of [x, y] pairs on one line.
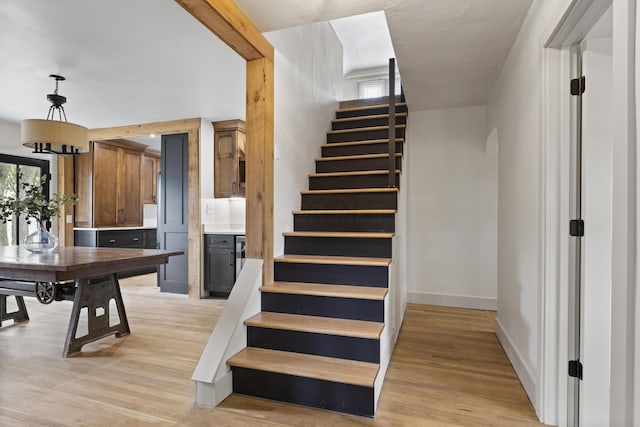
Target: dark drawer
[[219, 241], [121, 239]]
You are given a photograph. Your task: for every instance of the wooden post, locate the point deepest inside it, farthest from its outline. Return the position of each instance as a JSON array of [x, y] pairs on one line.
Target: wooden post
[[226, 21], [259, 222], [65, 186]]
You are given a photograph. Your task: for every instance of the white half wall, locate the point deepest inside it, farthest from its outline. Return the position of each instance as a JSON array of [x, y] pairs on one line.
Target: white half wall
[[452, 209], [308, 84]]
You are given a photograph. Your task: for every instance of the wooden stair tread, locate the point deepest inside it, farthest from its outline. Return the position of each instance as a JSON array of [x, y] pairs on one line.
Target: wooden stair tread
[[370, 128], [367, 107], [346, 234], [324, 290], [351, 190], [351, 173], [346, 212], [372, 116], [307, 365], [317, 325], [336, 260], [355, 157], [365, 142]]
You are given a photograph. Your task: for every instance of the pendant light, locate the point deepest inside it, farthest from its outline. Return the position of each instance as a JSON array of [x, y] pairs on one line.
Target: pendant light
[[53, 136]]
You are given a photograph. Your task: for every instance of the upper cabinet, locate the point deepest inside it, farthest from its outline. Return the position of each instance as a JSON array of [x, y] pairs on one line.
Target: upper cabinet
[[229, 158], [109, 185], [150, 169]]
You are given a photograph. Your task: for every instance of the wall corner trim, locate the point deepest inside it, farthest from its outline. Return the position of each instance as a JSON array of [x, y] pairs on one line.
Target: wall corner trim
[[523, 371], [461, 301]]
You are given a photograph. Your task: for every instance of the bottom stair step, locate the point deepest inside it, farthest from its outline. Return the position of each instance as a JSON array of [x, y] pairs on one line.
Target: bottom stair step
[[317, 381]]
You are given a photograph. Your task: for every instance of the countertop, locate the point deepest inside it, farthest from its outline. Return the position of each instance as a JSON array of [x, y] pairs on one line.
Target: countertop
[[237, 230], [114, 228]]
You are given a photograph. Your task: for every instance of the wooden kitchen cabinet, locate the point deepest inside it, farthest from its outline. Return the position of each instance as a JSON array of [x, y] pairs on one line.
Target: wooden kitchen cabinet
[[229, 158], [108, 184], [150, 169]]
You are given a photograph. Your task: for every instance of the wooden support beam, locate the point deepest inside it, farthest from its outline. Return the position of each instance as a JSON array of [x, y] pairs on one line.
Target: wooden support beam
[[224, 19], [130, 131], [65, 186], [194, 244], [259, 218]]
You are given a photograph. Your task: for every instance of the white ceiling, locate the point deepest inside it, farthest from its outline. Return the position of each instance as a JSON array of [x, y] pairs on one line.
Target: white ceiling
[[366, 42], [449, 52], [126, 62], [129, 62]]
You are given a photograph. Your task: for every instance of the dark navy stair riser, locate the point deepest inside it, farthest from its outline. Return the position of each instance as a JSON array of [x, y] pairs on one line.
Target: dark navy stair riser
[[338, 246], [384, 200], [351, 348], [350, 181], [383, 223], [359, 149], [323, 306], [332, 274], [352, 399], [364, 121], [318, 393], [352, 165], [372, 111], [362, 135]]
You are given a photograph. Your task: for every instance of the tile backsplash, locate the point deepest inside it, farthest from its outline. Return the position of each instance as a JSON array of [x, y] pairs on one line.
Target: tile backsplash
[[229, 212]]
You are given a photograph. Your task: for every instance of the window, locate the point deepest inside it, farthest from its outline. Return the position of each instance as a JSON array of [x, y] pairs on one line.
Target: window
[[14, 231], [377, 87], [374, 88]]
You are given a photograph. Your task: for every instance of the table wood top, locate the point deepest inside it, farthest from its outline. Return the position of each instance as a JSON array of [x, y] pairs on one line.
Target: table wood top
[[75, 262]]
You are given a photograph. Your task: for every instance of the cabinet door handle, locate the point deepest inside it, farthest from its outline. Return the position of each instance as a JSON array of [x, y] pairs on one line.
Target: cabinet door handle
[[112, 241], [136, 239], [230, 257]]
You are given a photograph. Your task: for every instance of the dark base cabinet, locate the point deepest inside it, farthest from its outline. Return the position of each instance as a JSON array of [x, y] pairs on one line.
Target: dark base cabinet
[[137, 238], [220, 258]]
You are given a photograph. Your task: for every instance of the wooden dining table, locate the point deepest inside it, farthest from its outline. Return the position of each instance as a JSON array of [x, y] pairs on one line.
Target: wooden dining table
[[86, 276]]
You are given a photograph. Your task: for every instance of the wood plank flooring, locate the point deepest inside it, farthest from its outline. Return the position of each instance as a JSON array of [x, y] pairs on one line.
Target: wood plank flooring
[[447, 369]]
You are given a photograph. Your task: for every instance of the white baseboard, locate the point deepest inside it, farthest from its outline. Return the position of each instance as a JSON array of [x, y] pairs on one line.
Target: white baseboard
[[522, 369], [478, 303]]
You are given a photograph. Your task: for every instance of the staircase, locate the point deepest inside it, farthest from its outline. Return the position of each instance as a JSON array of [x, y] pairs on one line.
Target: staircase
[[317, 341]]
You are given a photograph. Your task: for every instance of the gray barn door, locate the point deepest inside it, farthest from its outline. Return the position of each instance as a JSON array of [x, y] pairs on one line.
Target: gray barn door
[[172, 212]]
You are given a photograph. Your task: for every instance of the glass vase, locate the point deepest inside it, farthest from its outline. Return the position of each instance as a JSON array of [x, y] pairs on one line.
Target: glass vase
[[41, 240]]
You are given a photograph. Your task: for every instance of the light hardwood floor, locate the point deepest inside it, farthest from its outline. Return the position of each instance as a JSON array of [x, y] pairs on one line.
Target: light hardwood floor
[[447, 369]]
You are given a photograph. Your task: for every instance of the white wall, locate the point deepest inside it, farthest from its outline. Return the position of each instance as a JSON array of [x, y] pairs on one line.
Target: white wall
[[308, 83], [515, 110], [452, 209]]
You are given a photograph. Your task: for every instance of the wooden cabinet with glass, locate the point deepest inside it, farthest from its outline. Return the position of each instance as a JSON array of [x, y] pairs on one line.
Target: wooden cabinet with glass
[[229, 158], [108, 184], [150, 169]]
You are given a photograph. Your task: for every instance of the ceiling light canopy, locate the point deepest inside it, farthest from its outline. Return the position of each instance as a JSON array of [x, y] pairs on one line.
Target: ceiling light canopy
[[53, 136]]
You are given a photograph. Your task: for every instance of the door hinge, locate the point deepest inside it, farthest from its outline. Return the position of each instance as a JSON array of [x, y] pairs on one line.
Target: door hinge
[[577, 86], [575, 369], [576, 227]]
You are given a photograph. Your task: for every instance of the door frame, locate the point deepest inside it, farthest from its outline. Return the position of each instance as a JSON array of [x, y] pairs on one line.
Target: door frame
[[571, 28], [192, 128]]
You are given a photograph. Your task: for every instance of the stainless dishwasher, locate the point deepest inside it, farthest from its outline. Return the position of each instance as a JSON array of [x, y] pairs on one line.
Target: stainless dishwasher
[[240, 254]]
